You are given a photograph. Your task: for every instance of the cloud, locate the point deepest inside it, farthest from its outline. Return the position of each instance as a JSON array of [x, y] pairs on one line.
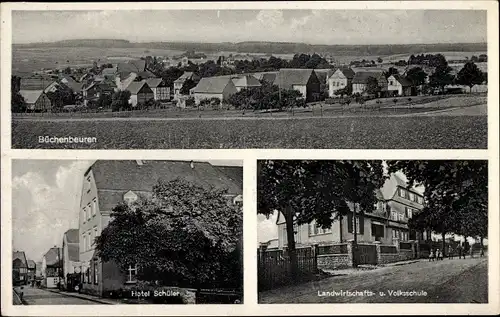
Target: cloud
[[270, 18], [43, 209], [267, 228]]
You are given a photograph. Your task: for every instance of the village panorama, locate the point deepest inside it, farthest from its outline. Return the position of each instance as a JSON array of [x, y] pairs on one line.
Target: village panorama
[[118, 93], [127, 232]]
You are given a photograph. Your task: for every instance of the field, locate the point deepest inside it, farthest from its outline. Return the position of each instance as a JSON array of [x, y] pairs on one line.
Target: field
[[382, 132]]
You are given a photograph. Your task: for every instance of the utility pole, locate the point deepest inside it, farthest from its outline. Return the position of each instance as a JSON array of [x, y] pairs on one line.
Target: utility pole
[[355, 243]]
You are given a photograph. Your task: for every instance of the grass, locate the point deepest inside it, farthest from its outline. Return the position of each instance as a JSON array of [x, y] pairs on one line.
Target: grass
[[424, 132]]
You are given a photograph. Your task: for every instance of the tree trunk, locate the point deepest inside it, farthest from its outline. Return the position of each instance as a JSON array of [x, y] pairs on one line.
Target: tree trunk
[[341, 228], [291, 243], [355, 244], [444, 244]]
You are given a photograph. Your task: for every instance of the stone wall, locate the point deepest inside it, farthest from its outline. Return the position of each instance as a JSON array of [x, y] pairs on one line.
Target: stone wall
[[334, 261]]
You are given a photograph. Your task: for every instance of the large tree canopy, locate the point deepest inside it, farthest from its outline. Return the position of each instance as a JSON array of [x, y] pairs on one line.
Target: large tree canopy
[[184, 235], [456, 194], [303, 191]]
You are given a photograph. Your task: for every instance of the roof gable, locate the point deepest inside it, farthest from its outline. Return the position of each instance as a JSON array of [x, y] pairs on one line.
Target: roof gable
[[288, 77], [31, 96], [213, 85], [362, 77], [136, 86], [402, 80], [154, 82], [19, 255], [72, 236], [246, 81]]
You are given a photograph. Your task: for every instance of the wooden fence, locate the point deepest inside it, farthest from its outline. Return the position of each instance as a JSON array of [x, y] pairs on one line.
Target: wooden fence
[[275, 269]]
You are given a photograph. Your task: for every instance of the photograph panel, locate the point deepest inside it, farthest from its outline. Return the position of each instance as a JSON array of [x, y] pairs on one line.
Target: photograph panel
[[127, 232], [344, 231], [232, 78]]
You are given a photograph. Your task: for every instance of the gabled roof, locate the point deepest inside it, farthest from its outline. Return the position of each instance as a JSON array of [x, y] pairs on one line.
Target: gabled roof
[[72, 84], [31, 96], [184, 77], [402, 80], [324, 74], [246, 81], [287, 77], [362, 77], [389, 190], [20, 256], [52, 257], [154, 82], [72, 236], [348, 72], [109, 71], [114, 178], [235, 173], [35, 83], [31, 264], [136, 86], [135, 66], [213, 85]]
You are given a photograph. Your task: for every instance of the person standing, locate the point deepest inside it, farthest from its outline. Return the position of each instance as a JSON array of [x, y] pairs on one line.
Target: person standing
[[460, 249]]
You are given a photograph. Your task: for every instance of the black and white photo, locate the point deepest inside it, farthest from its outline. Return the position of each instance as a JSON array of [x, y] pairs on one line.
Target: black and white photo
[[372, 231], [127, 232], [230, 78]]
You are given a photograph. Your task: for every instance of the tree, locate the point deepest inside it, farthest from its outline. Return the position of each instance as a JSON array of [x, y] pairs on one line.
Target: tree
[[104, 101], [184, 235], [456, 194], [441, 77], [391, 71], [17, 101], [61, 97], [187, 86], [320, 191], [416, 76], [215, 102], [470, 75], [190, 102], [346, 91], [67, 71], [372, 86], [120, 100], [379, 60]]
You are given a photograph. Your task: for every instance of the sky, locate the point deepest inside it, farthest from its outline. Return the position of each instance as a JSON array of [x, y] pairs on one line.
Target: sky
[[45, 202], [308, 26], [267, 228]]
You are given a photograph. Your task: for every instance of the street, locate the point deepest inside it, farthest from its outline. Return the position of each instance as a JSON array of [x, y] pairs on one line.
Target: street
[[446, 281], [38, 296]]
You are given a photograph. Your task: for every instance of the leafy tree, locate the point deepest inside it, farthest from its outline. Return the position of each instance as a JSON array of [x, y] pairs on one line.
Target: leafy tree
[[380, 60], [456, 194], [391, 71], [470, 75], [441, 77], [417, 76], [17, 101], [184, 235], [372, 86], [61, 97], [346, 91], [190, 102], [323, 191], [187, 86], [215, 102], [104, 101], [120, 100]]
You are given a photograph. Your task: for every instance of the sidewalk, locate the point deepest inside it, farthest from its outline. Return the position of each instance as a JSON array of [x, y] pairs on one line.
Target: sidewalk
[[87, 297], [367, 267]]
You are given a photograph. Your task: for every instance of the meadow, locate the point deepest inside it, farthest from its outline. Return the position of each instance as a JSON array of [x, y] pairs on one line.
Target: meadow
[[381, 132]]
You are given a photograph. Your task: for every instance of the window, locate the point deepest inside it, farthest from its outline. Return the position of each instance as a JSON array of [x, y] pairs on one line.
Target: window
[[410, 213], [132, 274], [87, 276], [95, 232], [84, 217], [89, 210], [315, 229], [402, 192], [394, 233], [91, 239], [95, 271], [401, 217], [394, 215], [351, 225], [94, 206], [412, 196], [377, 231]]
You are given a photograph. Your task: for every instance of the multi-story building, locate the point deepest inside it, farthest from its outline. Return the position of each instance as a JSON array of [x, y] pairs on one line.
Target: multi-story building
[[340, 79], [387, 223], [108, 183], [52, 267], [19, 268]]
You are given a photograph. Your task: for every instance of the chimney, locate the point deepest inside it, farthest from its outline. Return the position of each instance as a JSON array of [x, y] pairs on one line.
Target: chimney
[[191, 164]]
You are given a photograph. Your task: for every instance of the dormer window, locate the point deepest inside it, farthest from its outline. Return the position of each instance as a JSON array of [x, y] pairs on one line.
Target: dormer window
[[402, 192], [130, 197]]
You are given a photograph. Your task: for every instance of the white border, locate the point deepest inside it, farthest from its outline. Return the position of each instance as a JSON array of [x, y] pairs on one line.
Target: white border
[[250, 306]]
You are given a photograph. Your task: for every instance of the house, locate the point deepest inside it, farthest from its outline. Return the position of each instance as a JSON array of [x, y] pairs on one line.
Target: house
[[360, 80], [140, 93], [304, 81], [245, 82], [70, 254], [324, 75], [179, 82], [340, 79], [387, 223], [221, 87], [52, 267], [70, 82], [160, 89], [36, 100], [92, 92], [19, 268], [399, 85], [133, 66], [109, 73], [108, 183], [31, 271]]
